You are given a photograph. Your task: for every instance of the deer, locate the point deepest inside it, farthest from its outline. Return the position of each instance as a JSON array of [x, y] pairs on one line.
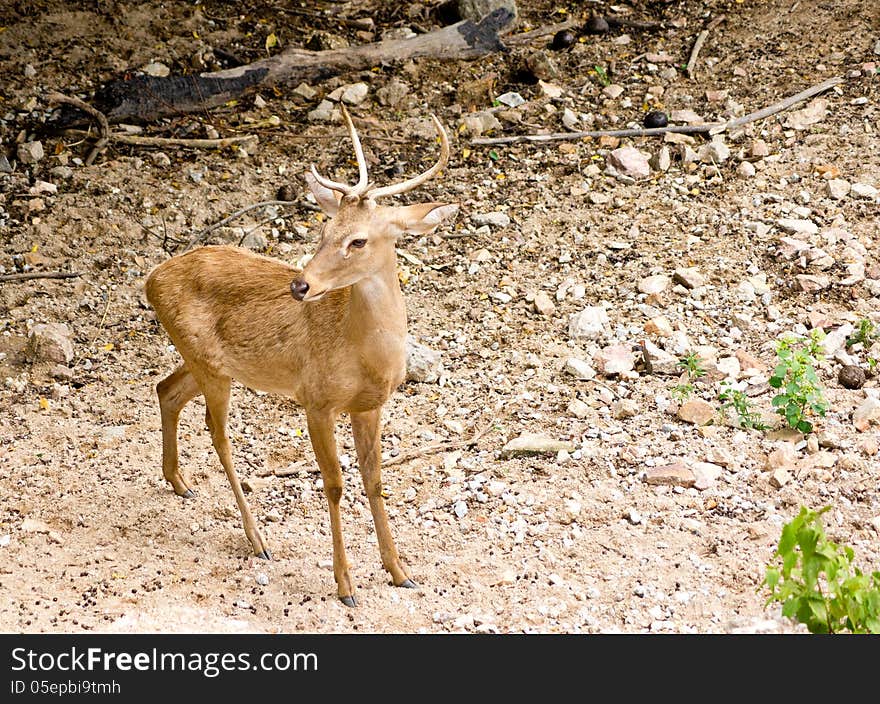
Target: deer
[[330, 335]]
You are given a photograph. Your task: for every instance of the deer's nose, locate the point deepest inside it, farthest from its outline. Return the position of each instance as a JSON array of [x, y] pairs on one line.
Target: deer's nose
[[299, 289]]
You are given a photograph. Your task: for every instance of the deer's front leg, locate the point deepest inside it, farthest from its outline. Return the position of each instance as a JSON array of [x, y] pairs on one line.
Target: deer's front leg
[[367, 440], [323, 439]]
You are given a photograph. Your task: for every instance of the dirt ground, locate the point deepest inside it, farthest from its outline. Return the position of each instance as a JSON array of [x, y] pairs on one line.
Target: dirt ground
[[578, 541]]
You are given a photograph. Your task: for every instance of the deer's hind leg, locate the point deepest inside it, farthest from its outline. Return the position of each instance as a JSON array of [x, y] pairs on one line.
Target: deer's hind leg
[[175, 391]]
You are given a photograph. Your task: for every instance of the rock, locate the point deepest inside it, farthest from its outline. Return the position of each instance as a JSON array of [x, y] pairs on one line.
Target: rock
[[460, 509], [475, 10], [50, 342], [791, 247], [422, 363], [783, 456], [659, 326], [495, 219], [759, 148], [254, 484], [322, 113], [579, 369], [705, 474], [809, 283], [578, 408], [30, 152], [392, 94], [654, 284], [550, 90], [745, 169], [156, 69], [696, 411], [660, 361], [31, 525], [629, 161], [662, 160], [533, 444], [633, 516], [837, 188], [814, 112], [354, 94], [624, 408], [570, 120], [613, 91], [796, 226], [851, 376], [676, 474], [715, 151], [544, 304], [780, 477], [863, 190], [615, 359], [589, 324], [689, 277], [836, 339], [868, 446], [304, 90], [572, 509], [255, 240], [867, 413], [729, 367], [687, 116]]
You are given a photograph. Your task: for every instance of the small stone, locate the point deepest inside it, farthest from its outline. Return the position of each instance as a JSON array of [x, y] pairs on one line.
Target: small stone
[[837, 188], [304, 90], [534, 444], [615, 359], [579, 369], [715, 152], [796, 226], [759, 148], [50, 342], [322, 113], [31, 525], [613, 91], [868, 446], [30, 152], [659, 326], [495, 219], [633, 516], [780, 477], [256, 241], [689, 277], [687, 116], [460, 509], [706, 474], [570, 120], [851, 376], [676, 474], [156, 69], [544, 304], [791, 247], [660, 361], [354, 94], [629, 161], [810, 283], [746, 169], [662, 160], [813, 113], [867, 413], [578, 408], [254, 484], [262, 579], [783, 456], [696, 411], [863, 190], [550, 90], [589, 324], [423, 364], [392, 94], [654, 284], [624, 408], [572, 509], [511, 99]]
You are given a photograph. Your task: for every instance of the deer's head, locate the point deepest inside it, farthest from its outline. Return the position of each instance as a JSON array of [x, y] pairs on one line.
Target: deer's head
[[359, 235]]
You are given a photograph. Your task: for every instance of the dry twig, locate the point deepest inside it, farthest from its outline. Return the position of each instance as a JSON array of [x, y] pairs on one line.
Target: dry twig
[[238, 213], [698, 45], [26, 276], [713, 127], [103, 126], [441, 446]]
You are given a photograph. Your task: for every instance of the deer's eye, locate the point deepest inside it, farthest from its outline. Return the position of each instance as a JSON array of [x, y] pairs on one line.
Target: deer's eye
[[358, 243]]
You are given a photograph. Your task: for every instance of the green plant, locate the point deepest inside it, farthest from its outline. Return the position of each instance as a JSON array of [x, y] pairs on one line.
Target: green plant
[[800, 392], [867, 334], [603, 76], [682, 392], [739, 402], [693, 370], [817, 583]]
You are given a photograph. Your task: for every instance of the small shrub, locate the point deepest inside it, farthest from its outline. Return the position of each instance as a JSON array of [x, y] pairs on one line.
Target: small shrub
[[800, 392]]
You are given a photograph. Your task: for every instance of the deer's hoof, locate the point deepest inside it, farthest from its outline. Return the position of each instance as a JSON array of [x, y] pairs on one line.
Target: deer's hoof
[[265, 555], [348, 601], [188, 494], [408, 584]]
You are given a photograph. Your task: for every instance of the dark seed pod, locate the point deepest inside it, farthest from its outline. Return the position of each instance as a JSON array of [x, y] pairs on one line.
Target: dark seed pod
[[656, 118], [596, 25], [563, 39], [287, 192], [851, 376]]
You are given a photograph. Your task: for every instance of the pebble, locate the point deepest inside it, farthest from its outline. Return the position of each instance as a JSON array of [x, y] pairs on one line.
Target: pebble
[[354, 94], [615, 359], [629, 161], [578, 408], [634, 516], [659, 326], [50, 342], [654, 284], [157, 69], [393, 93], [780, 477], [495, 219], [837, 188], [863, 190], [304, 90], [613, 90], [662, 160], [579, 369], [30, 152], [706, 474], [867, 413], [812, 284], [589, 324], [696, 411], [624, 408], [460, 509], [532, 444], [423, 364], [675, 474], [544, 304], [322, 113], [759, 148], [689, 277], [783, 456], [796, 226], [746, 169], [262, 579]]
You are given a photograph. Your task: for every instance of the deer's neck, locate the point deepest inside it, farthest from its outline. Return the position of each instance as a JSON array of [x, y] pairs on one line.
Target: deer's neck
[[376, 307]]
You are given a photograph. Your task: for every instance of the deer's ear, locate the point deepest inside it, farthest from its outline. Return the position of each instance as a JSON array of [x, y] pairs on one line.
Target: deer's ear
[[423, 217], [328, 199]]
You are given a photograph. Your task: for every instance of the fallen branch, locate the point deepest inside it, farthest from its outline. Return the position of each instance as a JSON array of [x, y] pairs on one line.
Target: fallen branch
[[237, 214], [103, 126], [219, 143], [39, 275], [698, 45], [714, 127], [440, 446]]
